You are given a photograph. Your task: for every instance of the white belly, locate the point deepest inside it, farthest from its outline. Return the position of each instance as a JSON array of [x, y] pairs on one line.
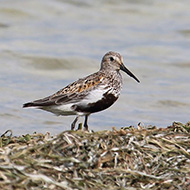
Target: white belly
[[65, 109]]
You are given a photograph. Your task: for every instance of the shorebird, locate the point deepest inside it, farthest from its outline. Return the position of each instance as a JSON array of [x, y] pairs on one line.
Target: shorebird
[[90, 94]]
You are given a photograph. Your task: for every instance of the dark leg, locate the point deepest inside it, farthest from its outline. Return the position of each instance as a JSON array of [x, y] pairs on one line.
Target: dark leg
[[74, 122], [85, 123]]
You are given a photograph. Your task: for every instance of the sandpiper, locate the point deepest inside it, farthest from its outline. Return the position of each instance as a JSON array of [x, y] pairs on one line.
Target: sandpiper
[[90, 94]]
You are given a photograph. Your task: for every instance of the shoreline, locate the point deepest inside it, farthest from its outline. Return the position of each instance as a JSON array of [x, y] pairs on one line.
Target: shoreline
[[136, 158]]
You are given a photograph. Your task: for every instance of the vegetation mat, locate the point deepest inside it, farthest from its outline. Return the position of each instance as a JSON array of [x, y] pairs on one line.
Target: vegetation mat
[[130, 158]]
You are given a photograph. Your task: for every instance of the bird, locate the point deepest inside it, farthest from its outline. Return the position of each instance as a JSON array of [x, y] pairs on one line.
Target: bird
[[93, 93]]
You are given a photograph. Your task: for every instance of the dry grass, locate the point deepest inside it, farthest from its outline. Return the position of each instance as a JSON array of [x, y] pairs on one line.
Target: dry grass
[[136, 158]]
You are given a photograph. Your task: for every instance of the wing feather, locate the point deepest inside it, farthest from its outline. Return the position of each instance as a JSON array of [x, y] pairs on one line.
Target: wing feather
[[72, 93]]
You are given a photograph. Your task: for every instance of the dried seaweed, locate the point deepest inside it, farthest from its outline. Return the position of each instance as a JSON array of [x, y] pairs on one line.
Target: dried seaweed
[[133, 158]]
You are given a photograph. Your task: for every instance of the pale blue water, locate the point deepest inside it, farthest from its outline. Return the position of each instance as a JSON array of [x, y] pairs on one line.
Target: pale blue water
[[44, 45]]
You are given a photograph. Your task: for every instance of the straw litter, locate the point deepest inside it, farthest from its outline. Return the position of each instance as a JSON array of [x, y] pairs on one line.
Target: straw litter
[[142, 157]]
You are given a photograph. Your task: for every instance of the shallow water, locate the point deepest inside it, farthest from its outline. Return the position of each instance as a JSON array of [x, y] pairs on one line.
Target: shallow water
[[44, 45]]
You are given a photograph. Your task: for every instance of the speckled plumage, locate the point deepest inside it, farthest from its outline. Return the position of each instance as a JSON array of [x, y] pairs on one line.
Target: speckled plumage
[[90, 94]]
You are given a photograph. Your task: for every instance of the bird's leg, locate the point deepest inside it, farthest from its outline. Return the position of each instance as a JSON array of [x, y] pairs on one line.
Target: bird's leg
[[74, 122], [85, 123]]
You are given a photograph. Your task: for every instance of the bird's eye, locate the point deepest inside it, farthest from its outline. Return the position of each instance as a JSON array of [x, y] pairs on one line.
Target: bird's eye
[[111, 58]]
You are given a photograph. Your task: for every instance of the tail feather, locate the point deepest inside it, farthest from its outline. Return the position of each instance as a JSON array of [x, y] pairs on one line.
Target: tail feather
[[39, 103], [29, 104], [48, 101]]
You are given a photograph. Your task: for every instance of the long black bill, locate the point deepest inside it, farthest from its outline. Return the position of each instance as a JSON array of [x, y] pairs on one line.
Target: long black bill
[[123, 68]]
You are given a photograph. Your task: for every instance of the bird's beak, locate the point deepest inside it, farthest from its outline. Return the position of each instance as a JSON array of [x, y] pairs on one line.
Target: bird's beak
[[123, 68]]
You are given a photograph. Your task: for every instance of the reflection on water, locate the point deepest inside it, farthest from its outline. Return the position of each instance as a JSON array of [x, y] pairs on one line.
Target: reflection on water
[[46, 45]]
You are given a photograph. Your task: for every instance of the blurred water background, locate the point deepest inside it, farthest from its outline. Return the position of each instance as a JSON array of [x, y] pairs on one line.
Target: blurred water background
[[46, 44]]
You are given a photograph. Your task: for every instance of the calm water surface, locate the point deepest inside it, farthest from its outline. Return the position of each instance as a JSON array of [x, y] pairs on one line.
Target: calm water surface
[[44, 45]]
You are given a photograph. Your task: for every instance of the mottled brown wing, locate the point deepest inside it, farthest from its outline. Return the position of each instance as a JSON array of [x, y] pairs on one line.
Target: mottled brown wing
[[72, 93]]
